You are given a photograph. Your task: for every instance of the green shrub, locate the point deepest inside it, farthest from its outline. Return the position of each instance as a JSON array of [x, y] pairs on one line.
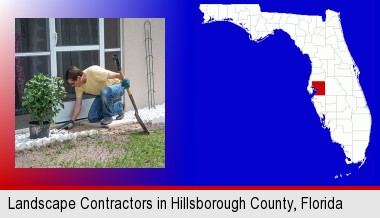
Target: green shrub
[[43, 98]]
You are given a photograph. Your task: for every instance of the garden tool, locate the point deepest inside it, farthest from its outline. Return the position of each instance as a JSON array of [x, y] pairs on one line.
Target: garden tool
[[66, 125], [117, 62]]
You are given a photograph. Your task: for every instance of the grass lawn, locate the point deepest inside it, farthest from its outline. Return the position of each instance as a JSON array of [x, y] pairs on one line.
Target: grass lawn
[[143, 151], [105, 150], [140, 151]]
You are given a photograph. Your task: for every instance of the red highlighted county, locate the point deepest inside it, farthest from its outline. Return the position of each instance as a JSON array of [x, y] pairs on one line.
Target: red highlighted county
[[318, 86]]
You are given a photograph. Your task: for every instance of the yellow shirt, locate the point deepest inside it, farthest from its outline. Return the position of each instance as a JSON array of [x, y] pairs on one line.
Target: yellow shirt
[[96, 81]]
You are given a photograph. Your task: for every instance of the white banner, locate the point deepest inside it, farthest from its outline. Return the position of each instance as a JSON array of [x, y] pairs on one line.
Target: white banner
[[189, 203]]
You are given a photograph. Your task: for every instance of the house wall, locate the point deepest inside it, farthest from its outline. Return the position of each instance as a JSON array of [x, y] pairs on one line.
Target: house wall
[[134, 59]]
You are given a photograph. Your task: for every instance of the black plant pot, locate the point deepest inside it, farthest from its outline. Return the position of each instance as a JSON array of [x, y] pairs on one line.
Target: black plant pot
[[37, 131]]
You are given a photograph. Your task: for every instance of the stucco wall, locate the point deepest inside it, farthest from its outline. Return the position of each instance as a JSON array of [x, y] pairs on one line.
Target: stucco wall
[[134, 61]]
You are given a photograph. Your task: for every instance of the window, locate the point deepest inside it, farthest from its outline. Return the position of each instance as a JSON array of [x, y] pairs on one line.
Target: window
[[50, 46]]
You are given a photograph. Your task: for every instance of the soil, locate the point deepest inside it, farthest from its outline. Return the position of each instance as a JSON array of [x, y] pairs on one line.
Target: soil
[[87, 149]]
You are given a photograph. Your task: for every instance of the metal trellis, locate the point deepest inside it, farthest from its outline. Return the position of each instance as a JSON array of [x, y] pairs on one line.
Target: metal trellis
[[149, 64]]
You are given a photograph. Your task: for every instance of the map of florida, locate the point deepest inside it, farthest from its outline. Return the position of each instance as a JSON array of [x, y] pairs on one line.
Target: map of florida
[[338, 97]]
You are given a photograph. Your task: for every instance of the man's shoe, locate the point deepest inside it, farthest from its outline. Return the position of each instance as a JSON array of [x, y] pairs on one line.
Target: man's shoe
[[106, 121], [121, 114]]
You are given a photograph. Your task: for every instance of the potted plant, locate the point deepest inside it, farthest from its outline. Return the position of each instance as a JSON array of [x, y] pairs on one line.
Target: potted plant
[[43, 99]]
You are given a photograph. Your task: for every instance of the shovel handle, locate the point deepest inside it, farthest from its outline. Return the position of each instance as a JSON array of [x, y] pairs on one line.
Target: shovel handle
[[128, 90], [117, 62], [121, 74]]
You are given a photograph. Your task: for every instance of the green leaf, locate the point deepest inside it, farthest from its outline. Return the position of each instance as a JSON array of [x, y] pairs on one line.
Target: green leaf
[[43, 97]]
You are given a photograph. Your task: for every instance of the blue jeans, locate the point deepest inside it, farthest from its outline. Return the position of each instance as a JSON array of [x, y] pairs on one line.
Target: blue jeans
[[103, 105]]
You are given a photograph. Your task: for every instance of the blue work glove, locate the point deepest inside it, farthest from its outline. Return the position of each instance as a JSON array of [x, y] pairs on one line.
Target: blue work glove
[[67, 125], [125, 83]]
